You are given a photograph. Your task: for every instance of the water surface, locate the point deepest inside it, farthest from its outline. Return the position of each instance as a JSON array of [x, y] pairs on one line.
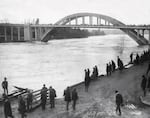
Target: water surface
[[61, 63]]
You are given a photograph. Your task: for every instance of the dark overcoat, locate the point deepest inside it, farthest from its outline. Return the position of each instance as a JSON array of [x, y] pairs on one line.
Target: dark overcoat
[[7, 108]]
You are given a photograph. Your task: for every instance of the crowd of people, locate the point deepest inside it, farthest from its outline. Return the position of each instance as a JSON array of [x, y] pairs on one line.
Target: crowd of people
[[25, 103], [139, 59], [144, 56], [110, 67], [89, 77], [68, 97]]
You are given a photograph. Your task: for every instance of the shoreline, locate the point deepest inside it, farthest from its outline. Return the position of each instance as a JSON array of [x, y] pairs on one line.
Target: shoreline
[[127, 66], [100, 97]]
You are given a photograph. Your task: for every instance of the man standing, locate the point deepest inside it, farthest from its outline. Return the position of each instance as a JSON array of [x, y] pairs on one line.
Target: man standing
[[131, 58], [119, 102], [113, 65], [5, 86], [74, 98], [87, 79], [148, 69], [29, 100], [22, 107], [143, 84], [52, 95], [7, 108], [67, 95], [43, 97]]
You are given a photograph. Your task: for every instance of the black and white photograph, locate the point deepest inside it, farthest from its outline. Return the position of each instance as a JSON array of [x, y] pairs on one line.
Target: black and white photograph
[[74, 59]]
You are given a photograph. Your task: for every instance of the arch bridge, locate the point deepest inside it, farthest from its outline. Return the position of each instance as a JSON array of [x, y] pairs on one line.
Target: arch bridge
[[93, 20]]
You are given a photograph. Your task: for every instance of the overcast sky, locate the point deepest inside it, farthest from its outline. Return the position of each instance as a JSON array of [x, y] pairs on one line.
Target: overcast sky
[[50, 11]]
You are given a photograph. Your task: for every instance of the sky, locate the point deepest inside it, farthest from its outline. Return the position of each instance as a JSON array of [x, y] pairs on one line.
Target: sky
[[50, 11]]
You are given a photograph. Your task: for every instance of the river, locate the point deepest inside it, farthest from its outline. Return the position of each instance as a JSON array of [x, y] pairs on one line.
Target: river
[[61, 63]]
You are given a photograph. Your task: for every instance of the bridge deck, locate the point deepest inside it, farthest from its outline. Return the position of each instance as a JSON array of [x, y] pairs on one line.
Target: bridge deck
[[80, 26]]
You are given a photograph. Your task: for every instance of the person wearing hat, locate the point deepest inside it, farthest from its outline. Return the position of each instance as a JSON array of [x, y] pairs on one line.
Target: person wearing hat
[[74, 98], [22, 106], [119, 102], [29, 100], [143, 84], [67, 97], [43, 96], [52, 95]]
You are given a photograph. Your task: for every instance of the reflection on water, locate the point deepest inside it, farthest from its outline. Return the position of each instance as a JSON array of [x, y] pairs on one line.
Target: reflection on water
[[61, 63]]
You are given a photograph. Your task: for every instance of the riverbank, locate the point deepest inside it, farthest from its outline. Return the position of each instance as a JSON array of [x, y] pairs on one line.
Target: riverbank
[[99, 101]]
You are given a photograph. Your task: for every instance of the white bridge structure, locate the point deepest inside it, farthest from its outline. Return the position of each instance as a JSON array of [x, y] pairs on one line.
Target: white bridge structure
[[43, 32]]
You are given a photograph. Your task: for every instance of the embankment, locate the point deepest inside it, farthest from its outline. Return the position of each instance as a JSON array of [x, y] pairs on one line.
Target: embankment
[[99, 101]]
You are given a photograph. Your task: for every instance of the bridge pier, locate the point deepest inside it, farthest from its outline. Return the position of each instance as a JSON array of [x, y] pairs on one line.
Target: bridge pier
[[143, 32], [149, 36], [138, 33], [27, 33], [40, 33], [12, 33], [35, 30], [18, 33], [98, 22], [5, 33]]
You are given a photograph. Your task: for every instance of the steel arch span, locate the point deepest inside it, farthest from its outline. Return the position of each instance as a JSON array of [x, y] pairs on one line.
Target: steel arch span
[[131, 32]]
